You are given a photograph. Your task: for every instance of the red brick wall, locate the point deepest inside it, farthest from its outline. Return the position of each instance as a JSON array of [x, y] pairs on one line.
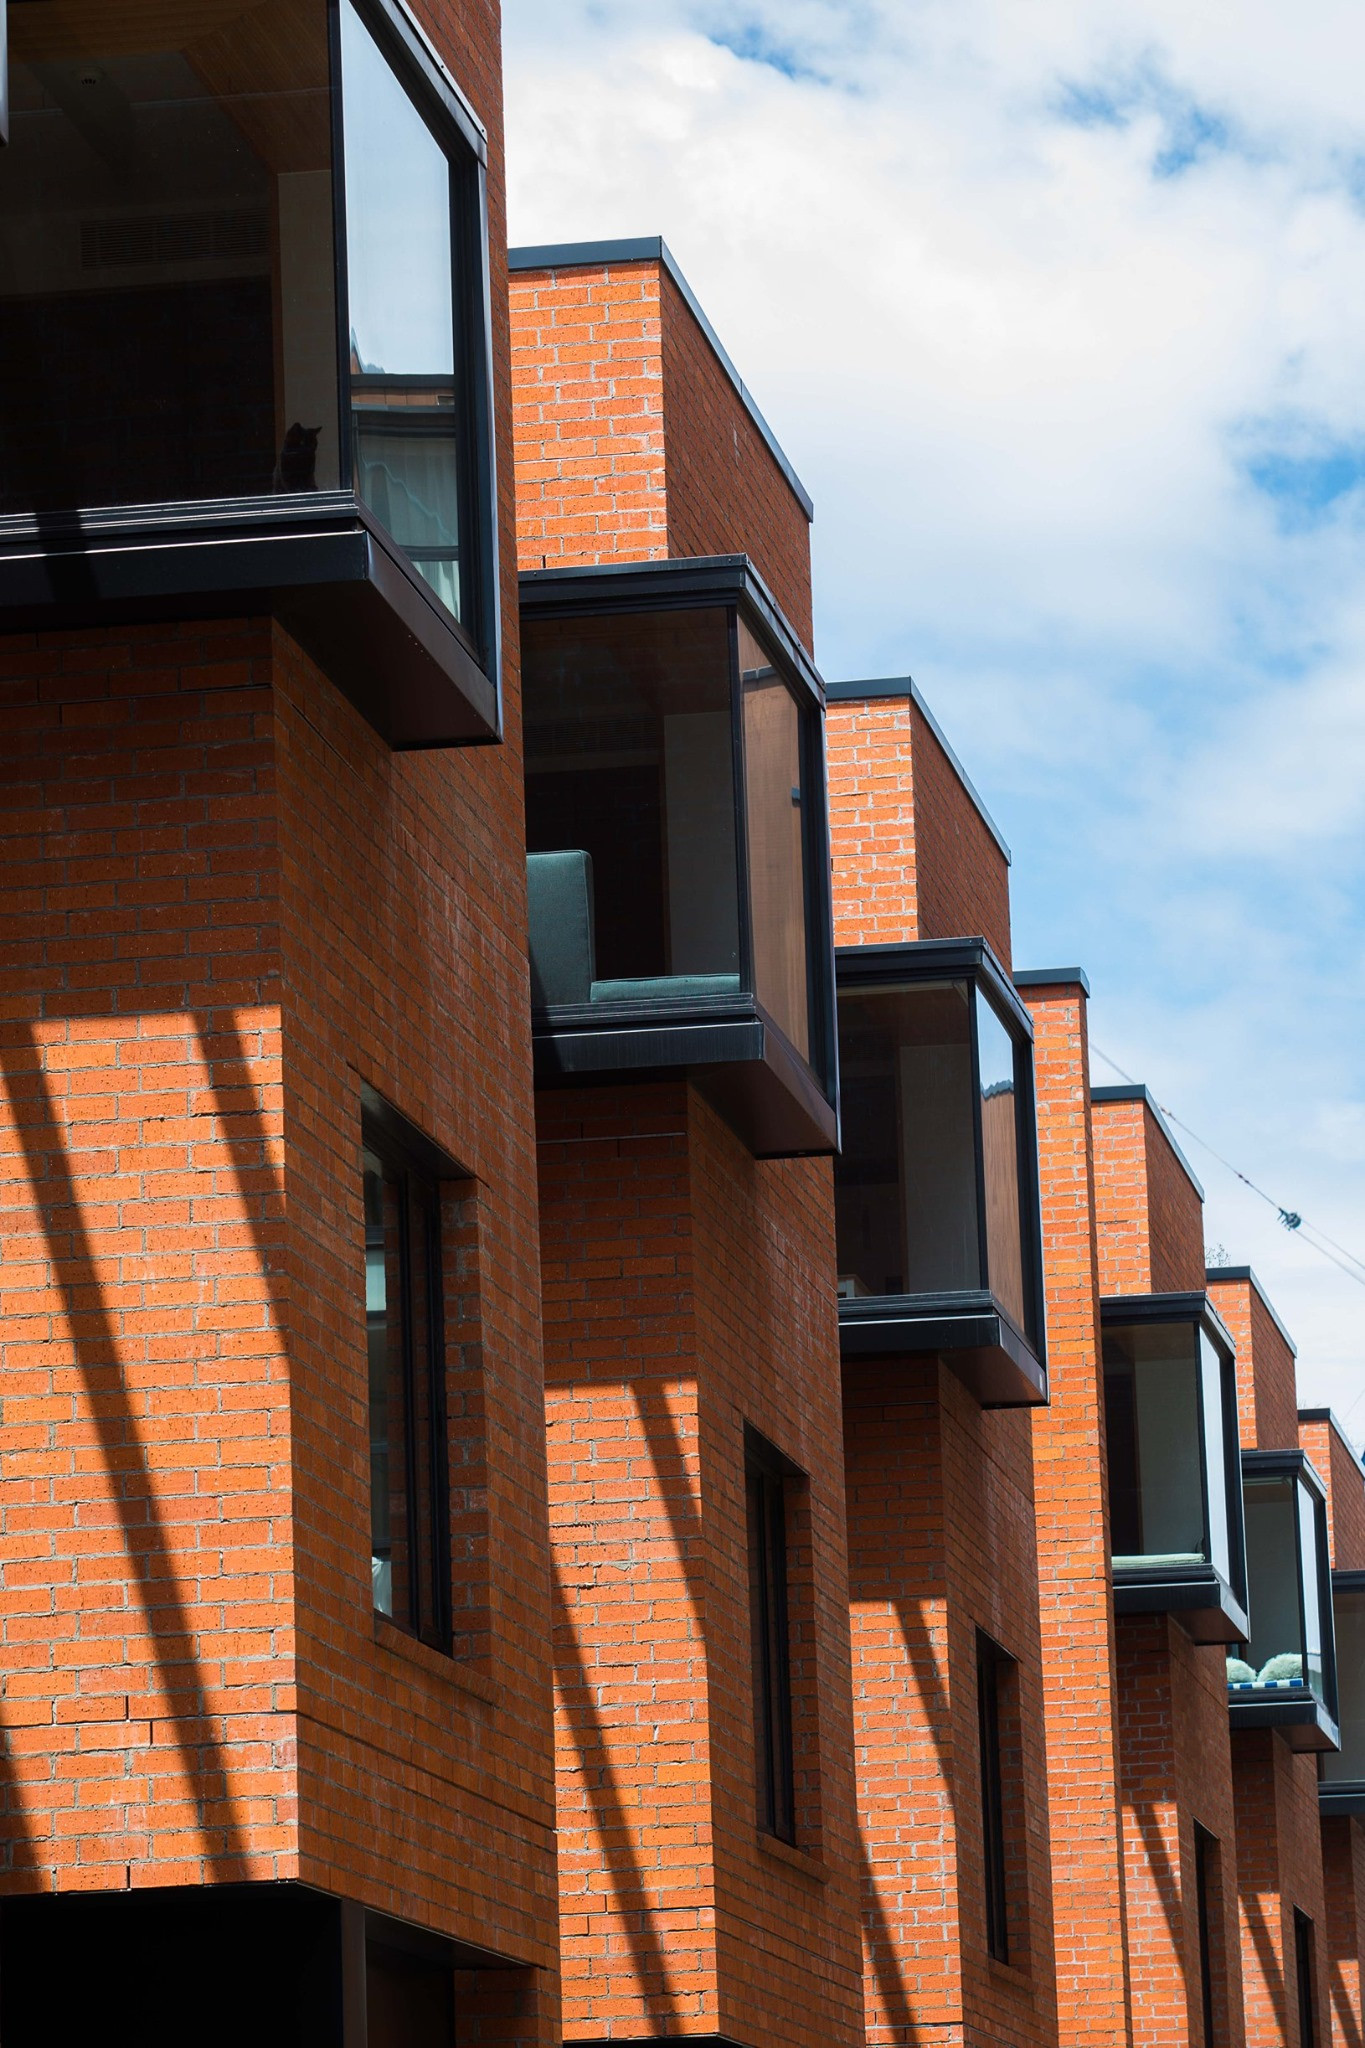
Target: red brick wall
[[1148, 1211], [631, 440], [913, 858], [226, 903], [1075, 1604], [587, 393], [940, 1543], [1176, 1770], [1267, 1400], [1340, 1470], [726, 493], [687, 1292], [1279, 1867], [1343, 1861]]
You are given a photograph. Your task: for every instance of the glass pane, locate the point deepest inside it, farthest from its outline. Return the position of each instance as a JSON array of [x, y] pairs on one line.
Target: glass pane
[[423, 1420], [905, 1184], [1152, 1386], [1312, 1589], [630, 807], [1213, 1373], [1349, 1608], [401, 281], [388, 1445], [1275, 1652], [775, 800], [1000, 1161], [167, 278]]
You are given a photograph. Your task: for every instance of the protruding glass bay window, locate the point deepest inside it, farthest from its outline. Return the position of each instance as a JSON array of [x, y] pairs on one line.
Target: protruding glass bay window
[[677, 836], [936, 1189], [1341, 1788], [1285, 1675], [1175, 1481], [244, 353]]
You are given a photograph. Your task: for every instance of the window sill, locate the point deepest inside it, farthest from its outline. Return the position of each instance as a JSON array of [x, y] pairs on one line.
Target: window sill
[[435, 1663], [794, 1858], [1017, 1974]]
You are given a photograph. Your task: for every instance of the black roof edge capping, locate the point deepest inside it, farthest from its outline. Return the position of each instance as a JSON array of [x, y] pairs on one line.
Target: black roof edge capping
[[1052, 977], [906, 686], [1138, 1091], [654, 249]]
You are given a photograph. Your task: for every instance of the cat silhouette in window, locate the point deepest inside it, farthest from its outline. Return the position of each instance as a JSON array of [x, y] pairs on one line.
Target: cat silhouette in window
[[297, 469]]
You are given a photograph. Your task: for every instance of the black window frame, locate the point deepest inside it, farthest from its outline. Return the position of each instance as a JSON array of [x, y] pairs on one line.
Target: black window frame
[[1211, 1608], [320, 560], [422, 1171], [1004, 1364], [781, 1101], [769, 1478], [1305, 1960], [1306, 1722], [992, 1668]]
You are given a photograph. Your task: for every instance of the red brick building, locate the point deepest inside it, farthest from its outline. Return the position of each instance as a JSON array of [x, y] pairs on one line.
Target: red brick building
[[499, 1062]]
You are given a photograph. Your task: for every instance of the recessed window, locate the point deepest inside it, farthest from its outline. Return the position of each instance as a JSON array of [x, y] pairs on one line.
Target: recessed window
[[1304, 1973], [1208, 1908], [768, 1477], [405, 1321], [994, 1673]]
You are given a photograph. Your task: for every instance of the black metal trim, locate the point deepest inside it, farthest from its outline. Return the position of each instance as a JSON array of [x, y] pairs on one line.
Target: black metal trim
[[1121, 1309], [687, 582], [975, 1336], [1295, 1464], [1052, 977], [912, 960], [1342, 1798], [408, 42], [1203, 1602], [1305, 1722], [331, 575], [4, 73]]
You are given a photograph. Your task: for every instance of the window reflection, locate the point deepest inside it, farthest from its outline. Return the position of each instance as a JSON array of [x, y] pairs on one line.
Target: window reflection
[[630, 807], [1000, 1159], [1348, 1766], [905, 1184], [401, 282], [1165, 1396], [1285, 1648], [774, 799], [167, 285]]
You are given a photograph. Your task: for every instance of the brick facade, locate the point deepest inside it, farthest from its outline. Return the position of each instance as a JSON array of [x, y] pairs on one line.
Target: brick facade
[[1076, 1609], [1151, 1229]]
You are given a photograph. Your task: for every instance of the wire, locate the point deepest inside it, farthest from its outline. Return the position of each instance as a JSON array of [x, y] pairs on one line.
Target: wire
[[1298, 1225]]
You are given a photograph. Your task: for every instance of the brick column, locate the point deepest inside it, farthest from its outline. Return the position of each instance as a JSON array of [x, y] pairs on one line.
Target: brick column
[[1075, 1603]]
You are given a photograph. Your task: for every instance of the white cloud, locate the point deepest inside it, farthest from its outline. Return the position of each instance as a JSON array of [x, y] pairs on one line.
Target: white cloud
[[1031, 382]]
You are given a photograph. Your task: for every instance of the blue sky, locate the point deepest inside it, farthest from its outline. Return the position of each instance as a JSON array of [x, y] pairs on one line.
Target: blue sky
[[1059, 312]]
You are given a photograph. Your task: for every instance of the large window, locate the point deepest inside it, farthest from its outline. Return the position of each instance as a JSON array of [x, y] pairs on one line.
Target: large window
[[768, 1478], [405, 1317], [1170, 1413], [1288, 1660], [201, 301], [1343, 1772], [936, 1189], [675, 815]]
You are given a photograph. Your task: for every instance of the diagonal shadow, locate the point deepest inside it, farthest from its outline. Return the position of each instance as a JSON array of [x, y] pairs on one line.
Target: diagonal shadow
[[882, 1959], [149, 1553], [614, 1824], [1267, 1956], [1346, 2027], [1166, 1879]]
